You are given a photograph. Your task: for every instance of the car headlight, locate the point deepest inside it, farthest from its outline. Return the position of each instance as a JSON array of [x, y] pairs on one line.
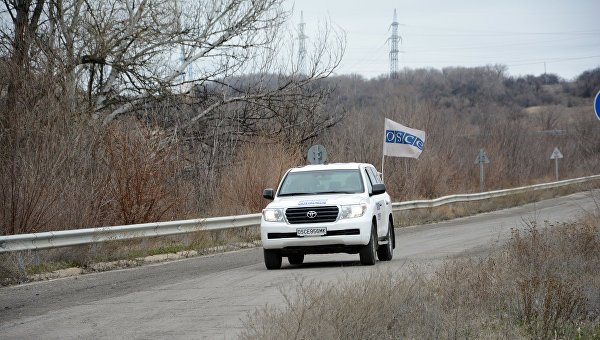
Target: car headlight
[[273, 215], [353, 211]]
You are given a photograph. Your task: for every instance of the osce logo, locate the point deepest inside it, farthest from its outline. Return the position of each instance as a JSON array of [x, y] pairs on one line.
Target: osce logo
[[400, 137]]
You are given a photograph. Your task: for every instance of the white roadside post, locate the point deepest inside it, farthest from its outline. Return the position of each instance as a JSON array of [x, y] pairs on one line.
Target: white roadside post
[[556, 155], [481, 159]]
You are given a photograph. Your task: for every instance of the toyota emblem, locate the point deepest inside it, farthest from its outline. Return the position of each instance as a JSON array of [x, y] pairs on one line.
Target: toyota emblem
[[311, 214]]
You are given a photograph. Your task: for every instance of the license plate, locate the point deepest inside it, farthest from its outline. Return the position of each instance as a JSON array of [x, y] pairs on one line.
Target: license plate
[[313, 231]]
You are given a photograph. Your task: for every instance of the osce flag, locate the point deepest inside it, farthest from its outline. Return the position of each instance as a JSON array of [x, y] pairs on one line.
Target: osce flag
[[401, 141]]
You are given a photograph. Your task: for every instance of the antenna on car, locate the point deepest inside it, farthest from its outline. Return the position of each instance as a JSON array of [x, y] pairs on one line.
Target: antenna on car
[[316, 154]]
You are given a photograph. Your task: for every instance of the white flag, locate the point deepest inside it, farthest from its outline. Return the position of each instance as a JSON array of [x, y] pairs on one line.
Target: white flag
[[401, 141]]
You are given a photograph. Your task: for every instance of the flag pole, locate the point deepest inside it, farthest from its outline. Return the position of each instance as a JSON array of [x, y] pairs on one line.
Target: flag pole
[[382, 162], [383, 150]]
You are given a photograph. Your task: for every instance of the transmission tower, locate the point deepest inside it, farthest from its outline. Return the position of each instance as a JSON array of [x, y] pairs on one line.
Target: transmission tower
[[301, 45], [395, 38]]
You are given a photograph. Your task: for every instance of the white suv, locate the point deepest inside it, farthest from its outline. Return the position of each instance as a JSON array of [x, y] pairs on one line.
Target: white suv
[[333, 208]]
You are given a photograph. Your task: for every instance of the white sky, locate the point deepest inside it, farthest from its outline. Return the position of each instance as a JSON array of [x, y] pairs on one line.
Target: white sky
[[522, 34]]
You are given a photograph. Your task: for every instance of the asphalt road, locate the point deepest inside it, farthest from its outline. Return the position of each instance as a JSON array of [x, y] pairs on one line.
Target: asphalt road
[[209, 297]]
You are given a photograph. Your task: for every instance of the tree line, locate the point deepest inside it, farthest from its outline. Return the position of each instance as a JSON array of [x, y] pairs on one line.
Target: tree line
[[117, 112]]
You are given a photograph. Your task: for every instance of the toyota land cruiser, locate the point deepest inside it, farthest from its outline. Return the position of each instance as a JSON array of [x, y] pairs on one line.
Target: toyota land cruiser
[[333, 208]]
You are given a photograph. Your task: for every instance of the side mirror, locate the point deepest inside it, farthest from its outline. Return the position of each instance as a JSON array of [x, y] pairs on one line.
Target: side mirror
[[378, 189], [268, 194]]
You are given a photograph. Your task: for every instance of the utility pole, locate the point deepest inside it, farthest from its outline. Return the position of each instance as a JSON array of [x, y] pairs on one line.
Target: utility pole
[[301, 45], [395, 38]]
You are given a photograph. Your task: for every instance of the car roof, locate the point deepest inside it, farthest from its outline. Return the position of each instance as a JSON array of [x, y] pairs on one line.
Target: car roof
[[333, 166]]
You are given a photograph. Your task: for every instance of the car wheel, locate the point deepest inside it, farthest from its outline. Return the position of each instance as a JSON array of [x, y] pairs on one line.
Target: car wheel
[[272, 258], [296, 259], [387, 252], [367, 252]]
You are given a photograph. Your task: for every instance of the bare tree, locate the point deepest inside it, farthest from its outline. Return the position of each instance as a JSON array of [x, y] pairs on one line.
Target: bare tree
[[17, 38], [126, 54], [140, 50]]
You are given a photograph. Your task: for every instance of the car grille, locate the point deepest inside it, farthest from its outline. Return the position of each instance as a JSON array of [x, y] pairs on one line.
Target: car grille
[[300, 215]]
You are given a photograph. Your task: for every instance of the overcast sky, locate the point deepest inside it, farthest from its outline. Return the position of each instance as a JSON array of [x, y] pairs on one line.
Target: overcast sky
[[521, 34]]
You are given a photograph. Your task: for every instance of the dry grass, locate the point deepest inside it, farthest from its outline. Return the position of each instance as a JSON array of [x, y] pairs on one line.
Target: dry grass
[[543, 284]]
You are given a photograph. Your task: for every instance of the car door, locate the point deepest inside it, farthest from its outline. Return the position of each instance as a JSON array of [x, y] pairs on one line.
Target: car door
[[382, 202]]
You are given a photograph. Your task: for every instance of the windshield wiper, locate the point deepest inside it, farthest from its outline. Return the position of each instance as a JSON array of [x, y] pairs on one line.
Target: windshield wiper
[[316, 193], [334, 192], [298, 193]]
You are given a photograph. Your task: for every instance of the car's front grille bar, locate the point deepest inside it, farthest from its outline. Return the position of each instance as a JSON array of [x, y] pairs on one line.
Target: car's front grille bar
[[312, 214]]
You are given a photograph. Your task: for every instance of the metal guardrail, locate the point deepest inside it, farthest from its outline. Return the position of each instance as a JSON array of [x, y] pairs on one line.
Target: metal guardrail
[[486, 195], [55, 239]]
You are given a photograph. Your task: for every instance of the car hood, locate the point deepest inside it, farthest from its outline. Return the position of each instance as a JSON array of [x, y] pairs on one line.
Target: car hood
[[316, 200]]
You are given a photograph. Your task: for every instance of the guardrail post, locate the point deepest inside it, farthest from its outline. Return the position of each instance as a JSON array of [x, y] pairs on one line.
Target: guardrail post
[[36, 257], [20, 257]]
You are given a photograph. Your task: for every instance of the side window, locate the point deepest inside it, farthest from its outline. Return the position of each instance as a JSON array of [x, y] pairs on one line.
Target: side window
[[377, 177], [369, 182], [373, 176]]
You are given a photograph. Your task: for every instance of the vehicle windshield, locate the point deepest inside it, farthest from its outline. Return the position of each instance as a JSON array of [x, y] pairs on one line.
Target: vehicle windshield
[[321, 182]]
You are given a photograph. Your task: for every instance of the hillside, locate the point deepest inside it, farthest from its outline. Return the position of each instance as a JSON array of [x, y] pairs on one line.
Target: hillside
[[150, 165]]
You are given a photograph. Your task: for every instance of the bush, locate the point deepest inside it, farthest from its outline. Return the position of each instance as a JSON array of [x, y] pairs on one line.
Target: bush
[[140, 183], [256, 167]]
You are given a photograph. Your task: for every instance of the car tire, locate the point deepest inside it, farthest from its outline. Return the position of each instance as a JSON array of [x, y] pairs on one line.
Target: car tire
[[368, 252], [296, 259], [386, 252], [272, 258]]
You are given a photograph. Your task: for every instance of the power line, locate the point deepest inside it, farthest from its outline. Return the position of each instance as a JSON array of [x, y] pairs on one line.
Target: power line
[[554, 60], [492, 45], [509, 33]]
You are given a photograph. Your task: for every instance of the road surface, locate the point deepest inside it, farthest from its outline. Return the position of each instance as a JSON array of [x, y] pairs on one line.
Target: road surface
[[209, 297]]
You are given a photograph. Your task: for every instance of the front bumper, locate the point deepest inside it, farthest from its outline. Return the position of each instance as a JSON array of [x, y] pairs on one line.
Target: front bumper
[[347, 232]]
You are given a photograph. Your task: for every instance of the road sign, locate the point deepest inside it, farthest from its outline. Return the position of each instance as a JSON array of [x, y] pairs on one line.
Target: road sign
[[317, 154], [597, 105], [556, 154], [481, 157]]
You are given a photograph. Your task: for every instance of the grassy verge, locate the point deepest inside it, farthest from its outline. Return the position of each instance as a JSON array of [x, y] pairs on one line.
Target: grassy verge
[[543, 284], [25, 266]]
